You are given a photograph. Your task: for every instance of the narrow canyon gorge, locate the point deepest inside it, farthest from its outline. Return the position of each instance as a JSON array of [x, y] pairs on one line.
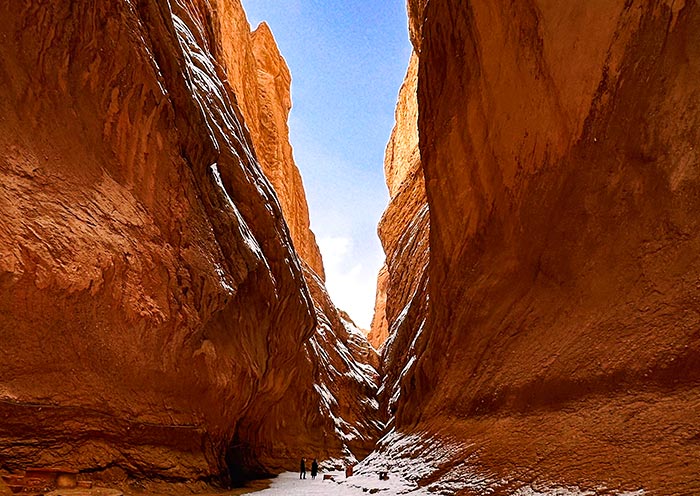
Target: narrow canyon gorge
[[163, 305]]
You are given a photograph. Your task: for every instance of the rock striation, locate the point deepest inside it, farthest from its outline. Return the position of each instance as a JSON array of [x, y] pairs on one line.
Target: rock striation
[[559, 351], [335, 385], [154, 313]]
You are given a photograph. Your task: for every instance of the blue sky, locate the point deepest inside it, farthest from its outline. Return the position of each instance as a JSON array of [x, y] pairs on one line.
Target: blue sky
[[347, 59]]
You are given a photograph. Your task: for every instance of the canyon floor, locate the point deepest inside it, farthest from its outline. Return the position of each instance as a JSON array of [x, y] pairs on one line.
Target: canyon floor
[[288, 484], [285, 484]]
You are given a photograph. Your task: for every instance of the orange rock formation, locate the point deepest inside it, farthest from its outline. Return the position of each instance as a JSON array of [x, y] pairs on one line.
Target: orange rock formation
[[274, 150], [559, 146], [261, 81], [401, 303], [153, 313], [379, 329], [404, 227]]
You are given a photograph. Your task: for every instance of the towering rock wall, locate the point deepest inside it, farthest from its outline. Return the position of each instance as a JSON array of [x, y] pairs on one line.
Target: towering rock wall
[[559, 146], [153, 312], [274, 150]]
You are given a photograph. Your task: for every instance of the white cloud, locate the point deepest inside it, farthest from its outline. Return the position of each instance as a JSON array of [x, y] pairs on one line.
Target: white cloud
[[351, 283]]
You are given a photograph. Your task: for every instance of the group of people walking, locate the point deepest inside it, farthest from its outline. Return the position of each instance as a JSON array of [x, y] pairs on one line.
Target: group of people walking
[[302, 469]]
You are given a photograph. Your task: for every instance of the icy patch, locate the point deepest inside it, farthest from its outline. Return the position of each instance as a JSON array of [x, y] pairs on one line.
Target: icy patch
[[223, 279], [553, 491], [289, 484], [362, 483], [410, 459]]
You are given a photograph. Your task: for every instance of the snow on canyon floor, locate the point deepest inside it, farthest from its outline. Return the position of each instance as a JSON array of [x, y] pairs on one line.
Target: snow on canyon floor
[[288, 484]]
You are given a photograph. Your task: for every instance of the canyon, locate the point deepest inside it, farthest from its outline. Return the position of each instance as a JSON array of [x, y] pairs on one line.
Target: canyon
[[163, 310]]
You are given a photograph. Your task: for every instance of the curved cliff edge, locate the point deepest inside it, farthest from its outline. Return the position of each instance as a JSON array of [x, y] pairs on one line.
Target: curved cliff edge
[[154, 314], [559, 352]]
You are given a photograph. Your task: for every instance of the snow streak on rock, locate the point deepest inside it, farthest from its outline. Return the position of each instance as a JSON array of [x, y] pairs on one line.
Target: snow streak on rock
[[342, 352]]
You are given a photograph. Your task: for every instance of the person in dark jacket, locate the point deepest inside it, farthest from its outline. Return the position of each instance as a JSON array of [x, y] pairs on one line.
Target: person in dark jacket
[[314, 468], [302, 469]]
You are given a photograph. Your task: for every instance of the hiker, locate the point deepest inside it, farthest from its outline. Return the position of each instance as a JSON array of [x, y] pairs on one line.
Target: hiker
[[302, 469], [314, 468]]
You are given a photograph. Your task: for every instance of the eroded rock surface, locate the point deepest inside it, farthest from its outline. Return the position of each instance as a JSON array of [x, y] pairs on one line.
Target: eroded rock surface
[[379, 329], [335, 385], [558, 143], [154, 313], [401, 304], [261, 81]]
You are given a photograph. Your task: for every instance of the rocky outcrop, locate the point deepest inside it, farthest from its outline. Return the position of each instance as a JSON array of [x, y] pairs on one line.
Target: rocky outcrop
[[415, 10], [560, 348], [379, 329], [330, 411], [154, 314], [261, 81], [401, 303]]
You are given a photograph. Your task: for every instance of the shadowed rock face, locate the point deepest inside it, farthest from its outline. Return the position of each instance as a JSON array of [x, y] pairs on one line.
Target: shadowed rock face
[[330, 409], [558, 141], [154, 314]]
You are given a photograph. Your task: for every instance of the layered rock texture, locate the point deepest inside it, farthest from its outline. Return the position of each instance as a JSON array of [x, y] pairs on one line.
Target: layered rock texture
[[379, 328], [560, 348], [264, 89], [154, 314], [401, 304], [340, 366]]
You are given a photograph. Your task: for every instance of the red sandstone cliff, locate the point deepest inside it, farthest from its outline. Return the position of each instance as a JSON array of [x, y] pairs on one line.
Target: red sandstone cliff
[[153, 311], [558, 141], [261, 81], [401, 303]]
